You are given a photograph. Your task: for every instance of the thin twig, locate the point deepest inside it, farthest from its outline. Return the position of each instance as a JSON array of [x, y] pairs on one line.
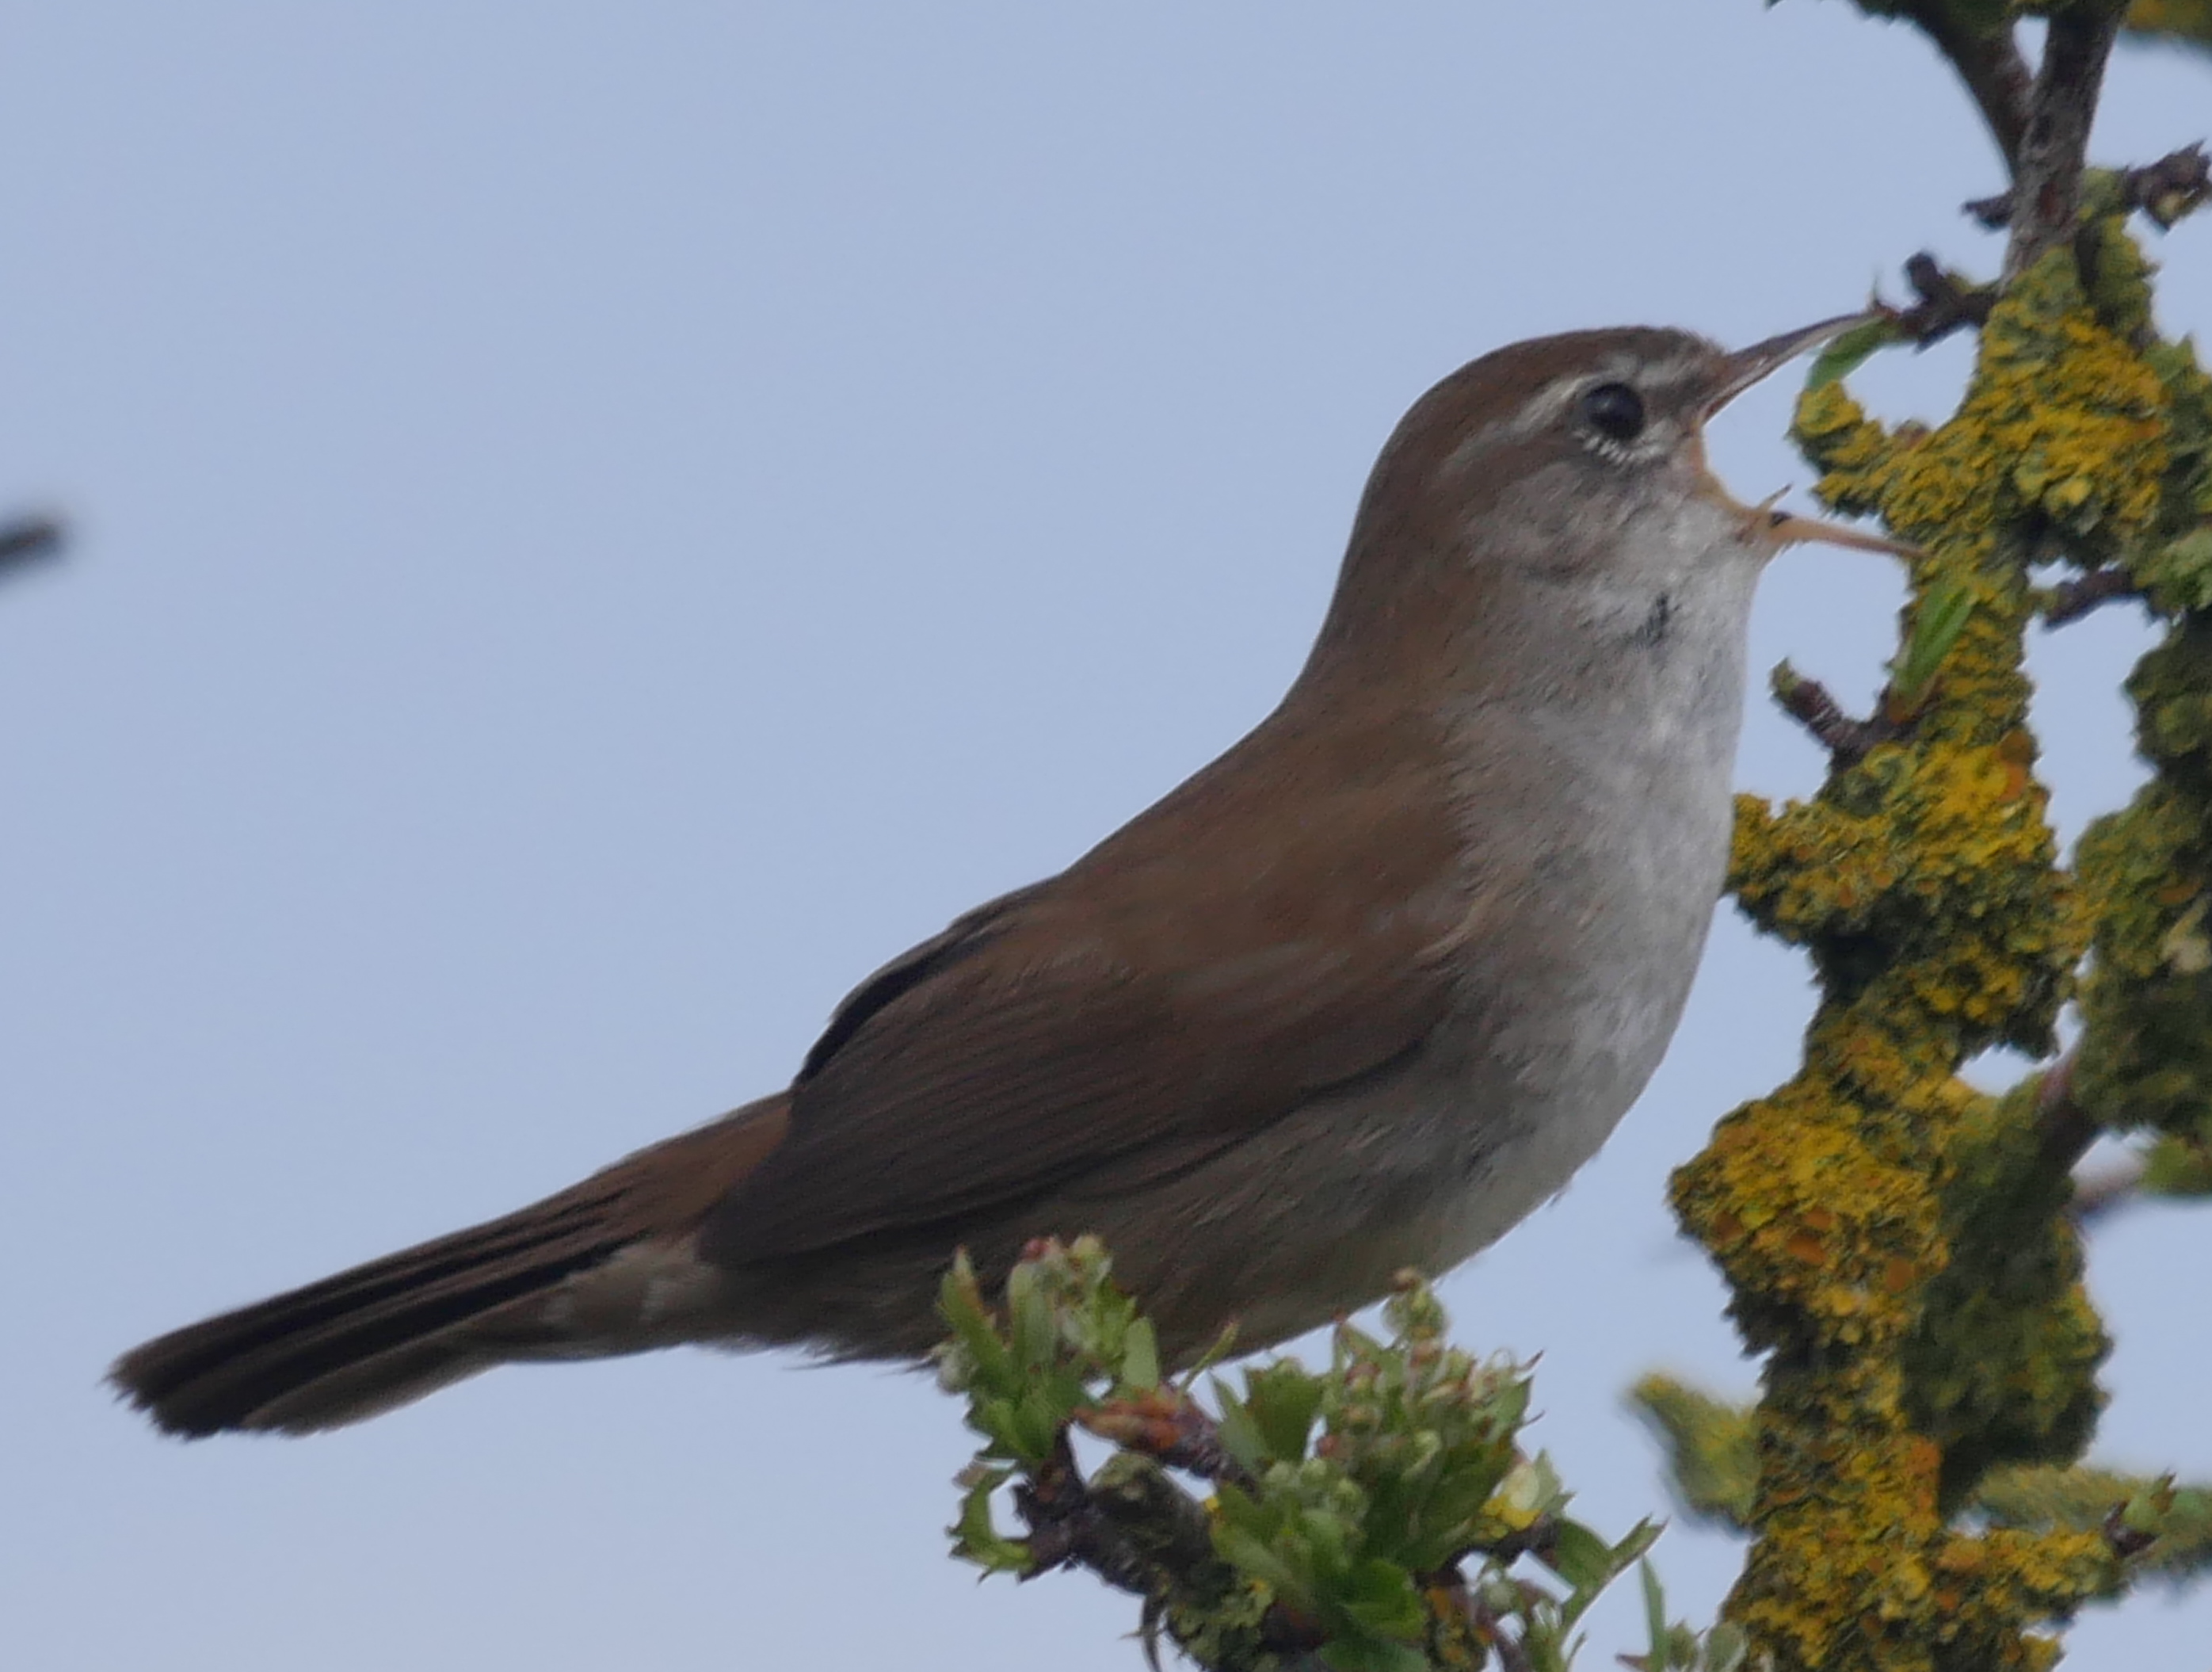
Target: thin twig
[[2070, 600], [2165, 190], [2124, 1540], [1847, 741], [2064, 1129], [1135, 1528], [2098, 1195], [2047, 177], [1067, 1528], [1490, 1632], [1988, 60], [1170, 1427], [2170, 188], [1947, 303]]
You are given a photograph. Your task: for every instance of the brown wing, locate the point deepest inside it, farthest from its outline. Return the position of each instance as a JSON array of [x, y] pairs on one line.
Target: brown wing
[[1193, 978]]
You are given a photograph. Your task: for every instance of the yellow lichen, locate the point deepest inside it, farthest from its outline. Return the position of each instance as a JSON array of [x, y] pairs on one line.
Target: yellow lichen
[[1885, 1231]]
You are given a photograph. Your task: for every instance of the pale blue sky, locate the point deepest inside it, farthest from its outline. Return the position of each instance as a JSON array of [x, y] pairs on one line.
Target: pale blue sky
[[596, 525]]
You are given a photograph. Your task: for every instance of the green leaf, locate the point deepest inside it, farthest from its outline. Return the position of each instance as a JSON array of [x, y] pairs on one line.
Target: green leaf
[[1038, 1420], [1240, 1435], [1328, 1540], [1727, 1648], [1234, 1507], [1847, 353], [1511, 1403], [961, 1303], [975, 1537], [1640, 1538], [995, 1420], [1217, 1351], [1357, 1654], [1936, 624], [1580, 1557], [1250, 1556], [1382, 1596], [1589, 1564], [1654, 1616], [1283, 1401], [1140, 1354], [1035, 1332]]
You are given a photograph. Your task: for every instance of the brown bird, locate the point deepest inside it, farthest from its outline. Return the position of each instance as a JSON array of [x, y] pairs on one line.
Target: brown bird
[[1357, 996]]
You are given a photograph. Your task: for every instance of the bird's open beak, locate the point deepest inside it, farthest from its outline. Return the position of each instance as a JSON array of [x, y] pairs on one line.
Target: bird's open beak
[[1747, 366], [1766, 524]]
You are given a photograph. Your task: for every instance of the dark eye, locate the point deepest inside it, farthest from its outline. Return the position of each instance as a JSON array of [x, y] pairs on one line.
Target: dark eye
[[1614, 410]]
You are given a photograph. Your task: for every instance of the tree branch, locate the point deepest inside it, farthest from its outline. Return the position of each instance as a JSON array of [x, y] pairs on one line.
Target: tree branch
[[2064, 1129], [1809, 702], [2070, 600], [2047, 178], [1945, 303], [2165, 190], [2099, 1193], [1988, 61]]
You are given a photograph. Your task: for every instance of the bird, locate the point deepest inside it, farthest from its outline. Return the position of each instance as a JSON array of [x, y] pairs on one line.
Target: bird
[[1356, 997]]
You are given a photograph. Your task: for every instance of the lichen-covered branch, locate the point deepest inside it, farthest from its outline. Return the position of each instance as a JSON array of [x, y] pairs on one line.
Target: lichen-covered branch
[[2180, 22], [2165, 1530], [1903, 1247], [1895, 1240], [2167, 189], [2054, 148]]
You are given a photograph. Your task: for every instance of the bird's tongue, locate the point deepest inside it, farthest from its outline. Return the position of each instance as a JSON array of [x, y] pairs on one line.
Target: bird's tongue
[[1767, 524], [1774, 526]]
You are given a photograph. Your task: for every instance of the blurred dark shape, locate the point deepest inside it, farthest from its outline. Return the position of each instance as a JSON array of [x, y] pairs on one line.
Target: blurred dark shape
[[25, 541]]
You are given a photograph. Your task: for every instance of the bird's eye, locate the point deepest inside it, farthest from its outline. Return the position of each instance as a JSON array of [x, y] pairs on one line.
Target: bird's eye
[[1614, 410]]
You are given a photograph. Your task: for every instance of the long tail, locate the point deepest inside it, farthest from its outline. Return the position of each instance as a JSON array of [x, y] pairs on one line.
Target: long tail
[[607, 1265]]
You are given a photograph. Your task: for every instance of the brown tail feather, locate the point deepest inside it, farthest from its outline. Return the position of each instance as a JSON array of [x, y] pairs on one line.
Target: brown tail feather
[[251, 1368], [396, 1328]]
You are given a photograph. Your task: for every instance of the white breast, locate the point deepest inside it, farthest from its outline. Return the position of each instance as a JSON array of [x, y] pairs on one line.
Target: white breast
[[1623, 785]]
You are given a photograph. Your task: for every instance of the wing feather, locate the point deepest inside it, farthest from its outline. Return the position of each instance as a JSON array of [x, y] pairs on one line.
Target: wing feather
[[1196, 977]]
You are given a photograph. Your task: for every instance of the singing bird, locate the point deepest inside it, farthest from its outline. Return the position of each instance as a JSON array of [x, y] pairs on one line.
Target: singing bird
[[1358, 996]]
